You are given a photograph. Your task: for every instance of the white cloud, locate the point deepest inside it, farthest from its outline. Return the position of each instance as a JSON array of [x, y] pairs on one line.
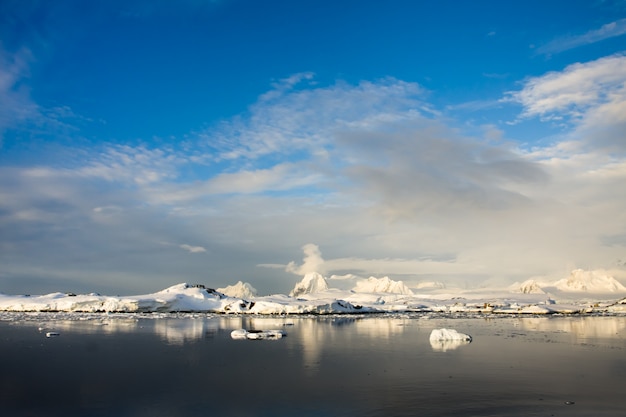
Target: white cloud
[[279, 178], [312, 261], [366, 171], [569, 93], [192, 249], [285, 85], [609, 30], [590, 96], [138, 165], [287, 122]]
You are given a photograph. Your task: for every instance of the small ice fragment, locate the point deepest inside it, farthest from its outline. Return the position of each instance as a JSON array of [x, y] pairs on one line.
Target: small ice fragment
[[241, 334], [52, 334], [238, 334]]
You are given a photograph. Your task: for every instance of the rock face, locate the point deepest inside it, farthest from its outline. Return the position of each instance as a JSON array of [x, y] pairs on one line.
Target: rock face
[[590, 281], [239, 290], [312, 282], [382, 285]]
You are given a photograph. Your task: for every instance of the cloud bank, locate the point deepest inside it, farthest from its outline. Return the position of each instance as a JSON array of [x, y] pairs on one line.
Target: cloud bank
[[371, 172]]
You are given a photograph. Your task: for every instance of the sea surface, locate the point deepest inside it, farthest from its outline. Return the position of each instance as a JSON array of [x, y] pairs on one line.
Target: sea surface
[[188, 365]]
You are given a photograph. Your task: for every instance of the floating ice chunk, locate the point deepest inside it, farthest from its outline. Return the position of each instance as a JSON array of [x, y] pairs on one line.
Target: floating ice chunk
[[448, 339], [449, 334], [241, 334]]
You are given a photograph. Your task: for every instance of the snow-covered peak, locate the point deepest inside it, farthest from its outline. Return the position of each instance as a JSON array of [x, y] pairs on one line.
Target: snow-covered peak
[[529, 286], [239, 290], [597, 281], [185, 288], [312, 282], [382, 285]]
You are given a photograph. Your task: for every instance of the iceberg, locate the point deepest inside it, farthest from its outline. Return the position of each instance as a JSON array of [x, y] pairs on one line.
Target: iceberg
[[449, 334], [443, 340]]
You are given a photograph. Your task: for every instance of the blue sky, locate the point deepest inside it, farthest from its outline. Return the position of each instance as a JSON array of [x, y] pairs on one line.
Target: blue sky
[[146, 143]]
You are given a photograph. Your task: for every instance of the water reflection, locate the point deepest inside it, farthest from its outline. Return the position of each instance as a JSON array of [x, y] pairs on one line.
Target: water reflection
[[446, 345], [187, 365], [314, 332], [179, 332], [175, 331], [580, 328]]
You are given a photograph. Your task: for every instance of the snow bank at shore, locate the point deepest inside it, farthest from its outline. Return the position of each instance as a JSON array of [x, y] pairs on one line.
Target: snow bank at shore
[[198, 298]]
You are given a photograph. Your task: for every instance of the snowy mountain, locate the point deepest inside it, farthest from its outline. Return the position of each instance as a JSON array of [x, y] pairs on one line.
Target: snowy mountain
[[528, 287], [597, 281], [239, 290], [322, 300], [313, 282], [382, 285]]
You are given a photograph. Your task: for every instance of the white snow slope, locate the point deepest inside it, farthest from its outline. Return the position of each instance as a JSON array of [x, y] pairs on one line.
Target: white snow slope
[[312, 283], [239, 290], [590, 281], [382, 285]]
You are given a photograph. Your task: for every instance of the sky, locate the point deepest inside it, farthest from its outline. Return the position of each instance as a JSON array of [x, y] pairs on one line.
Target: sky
[[148, 143]]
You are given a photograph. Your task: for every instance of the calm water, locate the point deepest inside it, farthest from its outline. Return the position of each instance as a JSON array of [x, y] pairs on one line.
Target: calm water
[[334, 366]]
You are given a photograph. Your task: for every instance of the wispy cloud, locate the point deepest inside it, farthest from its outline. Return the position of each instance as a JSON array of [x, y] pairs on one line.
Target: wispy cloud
[[193, 249], [18, 111], [286, 122], [137, 165], [16, 105], [609, 30]]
